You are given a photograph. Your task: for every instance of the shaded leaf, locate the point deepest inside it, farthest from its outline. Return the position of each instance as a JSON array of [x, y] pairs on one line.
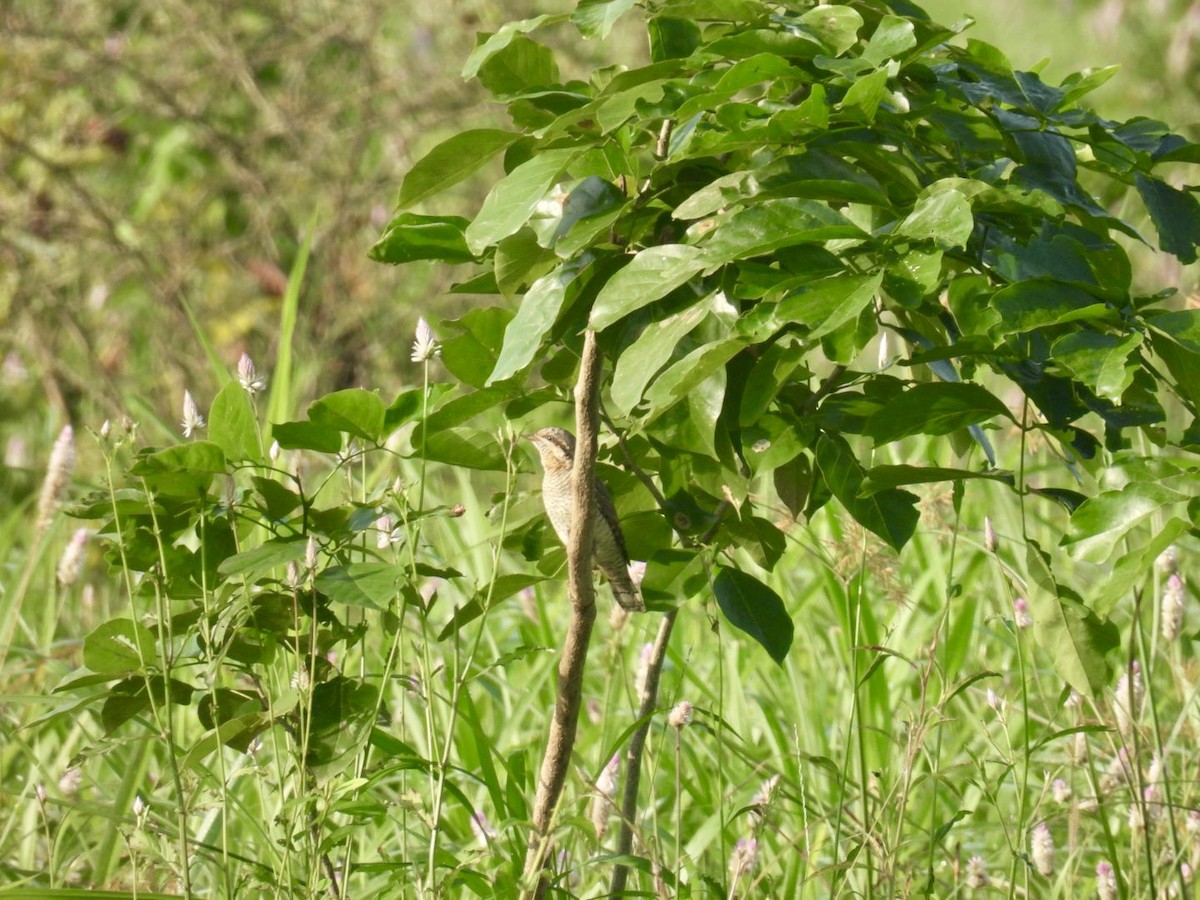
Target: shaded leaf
[[754, 608], [890, 513], [119, 645], [934, 408]]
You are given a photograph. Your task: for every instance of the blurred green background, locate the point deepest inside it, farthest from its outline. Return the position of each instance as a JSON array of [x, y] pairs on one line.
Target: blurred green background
[[163, 162]]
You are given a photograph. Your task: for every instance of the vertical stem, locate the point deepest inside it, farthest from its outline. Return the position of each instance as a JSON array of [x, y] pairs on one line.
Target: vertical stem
[[563, 726], [637, 744]]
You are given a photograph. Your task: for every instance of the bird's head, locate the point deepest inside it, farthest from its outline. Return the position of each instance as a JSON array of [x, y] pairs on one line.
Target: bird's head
[[555, 446]]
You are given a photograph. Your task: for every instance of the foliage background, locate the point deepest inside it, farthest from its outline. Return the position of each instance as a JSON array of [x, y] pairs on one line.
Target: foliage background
[[162, 165]]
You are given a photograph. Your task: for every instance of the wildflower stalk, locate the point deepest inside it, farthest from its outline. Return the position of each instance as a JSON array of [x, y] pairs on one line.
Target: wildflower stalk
[[162, 714], [460, 672], [1161, 750]]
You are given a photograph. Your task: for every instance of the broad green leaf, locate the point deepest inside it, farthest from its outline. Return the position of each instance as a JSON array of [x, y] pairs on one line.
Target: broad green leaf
[[934, 408], [754, 608], [595, 18], [471, 354], [1133, 568], [536, 316], [451, 161], [307, 436], [642, 359], [890, 513], [516, 68], [883, 477], [410, 237], [1176, 338], [650, 275], [836, 26], [1101, 361], [185, 470], [688, 373], [891, 38], [1035, 304], [469, 448], [354, 411], [672, 38], [1102, 521], [941, 216], [1176, 216], [512, 200], [232, 424], [494, 43], [1074, 636], [119, 645], [823, 306], [773, 224], [867, 93], [271, 555], [370, 585]]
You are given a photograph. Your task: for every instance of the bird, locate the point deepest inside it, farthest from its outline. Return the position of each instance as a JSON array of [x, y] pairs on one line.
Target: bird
[[556, 447]]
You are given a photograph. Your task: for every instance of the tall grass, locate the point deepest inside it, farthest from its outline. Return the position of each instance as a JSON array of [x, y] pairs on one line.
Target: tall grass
[[916, 738]]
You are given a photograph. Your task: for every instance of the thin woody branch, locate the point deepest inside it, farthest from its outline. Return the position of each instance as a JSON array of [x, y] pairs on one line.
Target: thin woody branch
[[556, 762]]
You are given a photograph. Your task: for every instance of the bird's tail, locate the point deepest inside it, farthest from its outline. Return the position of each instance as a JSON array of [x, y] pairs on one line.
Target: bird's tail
[[625, 590]]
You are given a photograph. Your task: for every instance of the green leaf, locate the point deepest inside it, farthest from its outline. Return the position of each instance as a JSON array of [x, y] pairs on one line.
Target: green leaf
[[1038, 303], [353, 411], [263, 558], [754, 608], [883, 477], [1101, 361], [185, 470], [688, 373], [307, 436], [370, 585], [867, 93], [1176, 216], [891, 513], [232, 424], [836, 26], [650, 275], [595, 18], [1176, 338], [827, 305], [451, 161], [410, 237], [773, 224], [522, 64], [646, 356], [512, 200], [118, 646], [471, 355], [672, 38], [494, 43], [933, 408], [1133, 568], [891, 38], [469, 448], [942, 216], [1103, 520], [536, 316], [1074, 636]]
